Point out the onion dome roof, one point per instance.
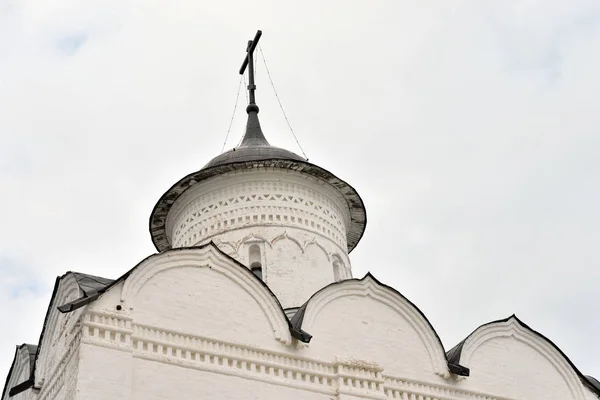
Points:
(256, 152)
(254, 146)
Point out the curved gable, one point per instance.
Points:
(59, 328)
(56, 340)
(343, 315)
(206, 288)
(21, 370)
(509, 351)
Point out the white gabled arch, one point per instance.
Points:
(210, 256)
(20, 370)
(512, 327)
(370, 287)
(67, 290)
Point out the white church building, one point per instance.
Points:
(251, 296)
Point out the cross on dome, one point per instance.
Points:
(254, 135)
(249, 62)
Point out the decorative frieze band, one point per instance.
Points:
(200, 226)
(398, 388)
(262, 202)
(350, 377)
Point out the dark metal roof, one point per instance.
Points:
(290, 312)
(454, 353)
(90, 284)
(594, 383)
(255, 152)
(253, 147)
(453, 357)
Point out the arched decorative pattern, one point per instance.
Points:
(254, 237)
(313, 242)
(227, 247)
(283, 236)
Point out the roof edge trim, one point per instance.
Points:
(21, 387)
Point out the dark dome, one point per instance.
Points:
(254, 147)
(253, 153)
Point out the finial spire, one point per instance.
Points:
(254, 135)
(249, 62)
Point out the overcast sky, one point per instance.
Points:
(470, 129)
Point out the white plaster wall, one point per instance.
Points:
(296, 263)
(128, 373)
(108, 302)
(173, 340)
(158, 381)
(296, 273)
(365, 329)
(105, 373)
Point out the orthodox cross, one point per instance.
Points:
(249, 62)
